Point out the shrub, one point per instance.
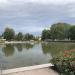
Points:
(66, 63)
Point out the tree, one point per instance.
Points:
(28, 37)
(46, 34)
(72, 33)
(9, 34)
(60, 30)
(19, 36)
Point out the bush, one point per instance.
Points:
(66, 63)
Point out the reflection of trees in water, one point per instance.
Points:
(52, 48)
(19, 47)
(70, 46)
(56, 48)
(28, 45)
(8, 50)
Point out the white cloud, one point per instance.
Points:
(58, 2)
(28, 8)
(25, 14)
(3, 1)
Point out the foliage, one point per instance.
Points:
(60, 31)
(66, 63)
(9, 34)
(28, 37)
(72, 33)
(46, 34)
(19, 36)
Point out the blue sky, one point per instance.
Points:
(32, 16)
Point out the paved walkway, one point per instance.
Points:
(43, 71)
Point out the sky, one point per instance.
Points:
(32, 16)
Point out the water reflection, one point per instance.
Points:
(8, 50)
(56, 49)
(20, 55)
(19, 47)
(28, 46)
(50, 49)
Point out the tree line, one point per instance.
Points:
(9, 34)
(59, 31)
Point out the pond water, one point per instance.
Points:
(21, 55)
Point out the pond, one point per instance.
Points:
(28, 54)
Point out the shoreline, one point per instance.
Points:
(19, 42)
(14, 42)
(33, 42)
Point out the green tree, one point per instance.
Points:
(9, 34)
(60, 31)
(46, 34)
(72, 33)
(19, 36)
(28, 37)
